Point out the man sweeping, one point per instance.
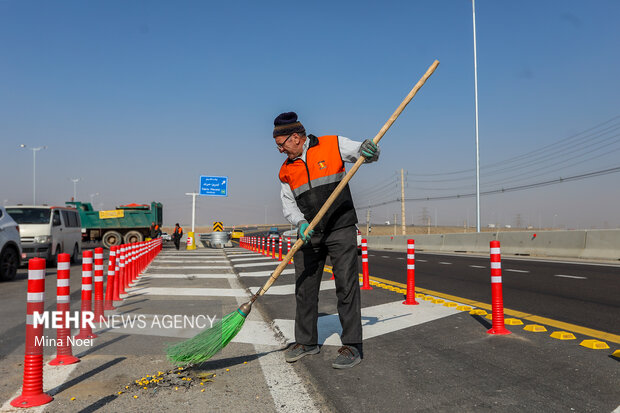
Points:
(312, 170)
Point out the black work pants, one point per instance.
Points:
(177, 242)
(341, 246)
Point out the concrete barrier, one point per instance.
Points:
(467, 242)
(591, 244)
(602, 244)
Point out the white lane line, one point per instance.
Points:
(521, 271)
(417, 260)
(477, 266)
(282, 379)
(445, 263)
(385, 256)
(571, 276)
(400, 258)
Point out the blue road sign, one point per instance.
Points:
(214, 185)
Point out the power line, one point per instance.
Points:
(503, 190)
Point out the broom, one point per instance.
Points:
(206, 344)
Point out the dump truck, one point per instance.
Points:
(125, 224)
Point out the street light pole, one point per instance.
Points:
(473, 10)
(75, 181)
(34, 170)
(193, 194)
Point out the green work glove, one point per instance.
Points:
(303, 225)
(368, 149)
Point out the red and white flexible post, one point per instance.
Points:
(64, 353)
(497, 299)
(410, 300)
(122, 275)
(288, 248)
(273, 248)
(262, 241)
(280, 249)
(86, 330)
(99, 285)
(365, 272)
(109, 288)
(32, 389)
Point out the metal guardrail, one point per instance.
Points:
(216, 240)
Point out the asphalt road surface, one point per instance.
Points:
(586, 294)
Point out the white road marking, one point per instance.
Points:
(258, 264)
(445, 263)
(182, 291)
(385, 256)
(521, 271)
(289, 289)
(265, 273)
(477, 266)
(190, 276)
(571, 276)
(190, 267)
(400, 258)
(376, 320)
(193, 261)
(258, 258)
(421, 260)
(282, 379)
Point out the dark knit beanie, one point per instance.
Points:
(287, 123)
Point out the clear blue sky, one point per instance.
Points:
(140, 98)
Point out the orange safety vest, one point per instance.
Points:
(179, 230)
(313, 181)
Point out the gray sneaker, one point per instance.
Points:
(298, 351)
(347, 357)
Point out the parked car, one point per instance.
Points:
(165, 236)
(10, 246)
(46, 231)
(273, 233)
(359, 240)
(237, 233)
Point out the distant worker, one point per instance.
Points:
(176, 235)
(157, 231)
(312, 170)
(152, 230)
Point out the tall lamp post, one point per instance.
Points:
(473, 10)
(75, 181)
(34, 170)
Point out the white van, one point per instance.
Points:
(46, 231)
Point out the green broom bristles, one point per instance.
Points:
(206, 344)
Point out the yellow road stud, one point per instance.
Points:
(464, 308)
(535, 328)
(428, 298)
(451, 305)
(513, 322)
(478, 312)
(594, 344)
(563, 335)
(438, 301)
(73, 398)
(489, 316)
(616, 354)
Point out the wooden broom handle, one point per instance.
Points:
(345, 181)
